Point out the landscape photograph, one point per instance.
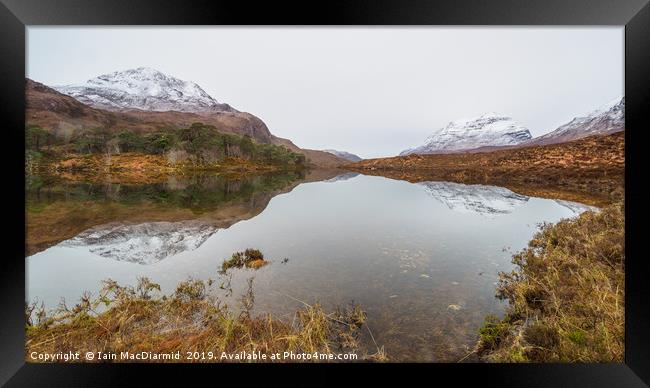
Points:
(324, 194)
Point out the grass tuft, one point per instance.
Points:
(250, 258)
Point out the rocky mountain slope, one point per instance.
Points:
(465, 134)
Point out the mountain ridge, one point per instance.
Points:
(605, 120)
(143, 88)
(489, 129)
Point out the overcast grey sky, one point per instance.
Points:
(370, 91)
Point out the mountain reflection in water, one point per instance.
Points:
(480, 199)
(144, 243)
(488, 201)
(94, 213)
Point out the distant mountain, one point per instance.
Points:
(145, 89)
(607, 119)
(67, 117)
(466, 134)
(345, 155)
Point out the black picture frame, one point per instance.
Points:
(15, 15)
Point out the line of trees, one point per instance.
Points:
(198, 143)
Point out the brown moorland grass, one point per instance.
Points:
(590, 170)
(566, 296)
(135, 320)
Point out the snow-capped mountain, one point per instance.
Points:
(344, 155)
(607, 119)
(145, 243)
(478, 199)
(145, 89)
(490, 129)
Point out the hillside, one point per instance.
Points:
(67, 118)
(590, 169)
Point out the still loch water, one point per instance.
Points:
(421, 259)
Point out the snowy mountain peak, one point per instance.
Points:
(620, 100)
(614, 109)
(143, 88)
(489, 129)
(608, 118)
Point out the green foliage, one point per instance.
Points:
(159, 142)
(271, 154)
(203, 144)
(198, 137)
(130, 141)
(246, 145)
(577, 336)
(36, 137)
(492, 333)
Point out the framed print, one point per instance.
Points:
(436, 187)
